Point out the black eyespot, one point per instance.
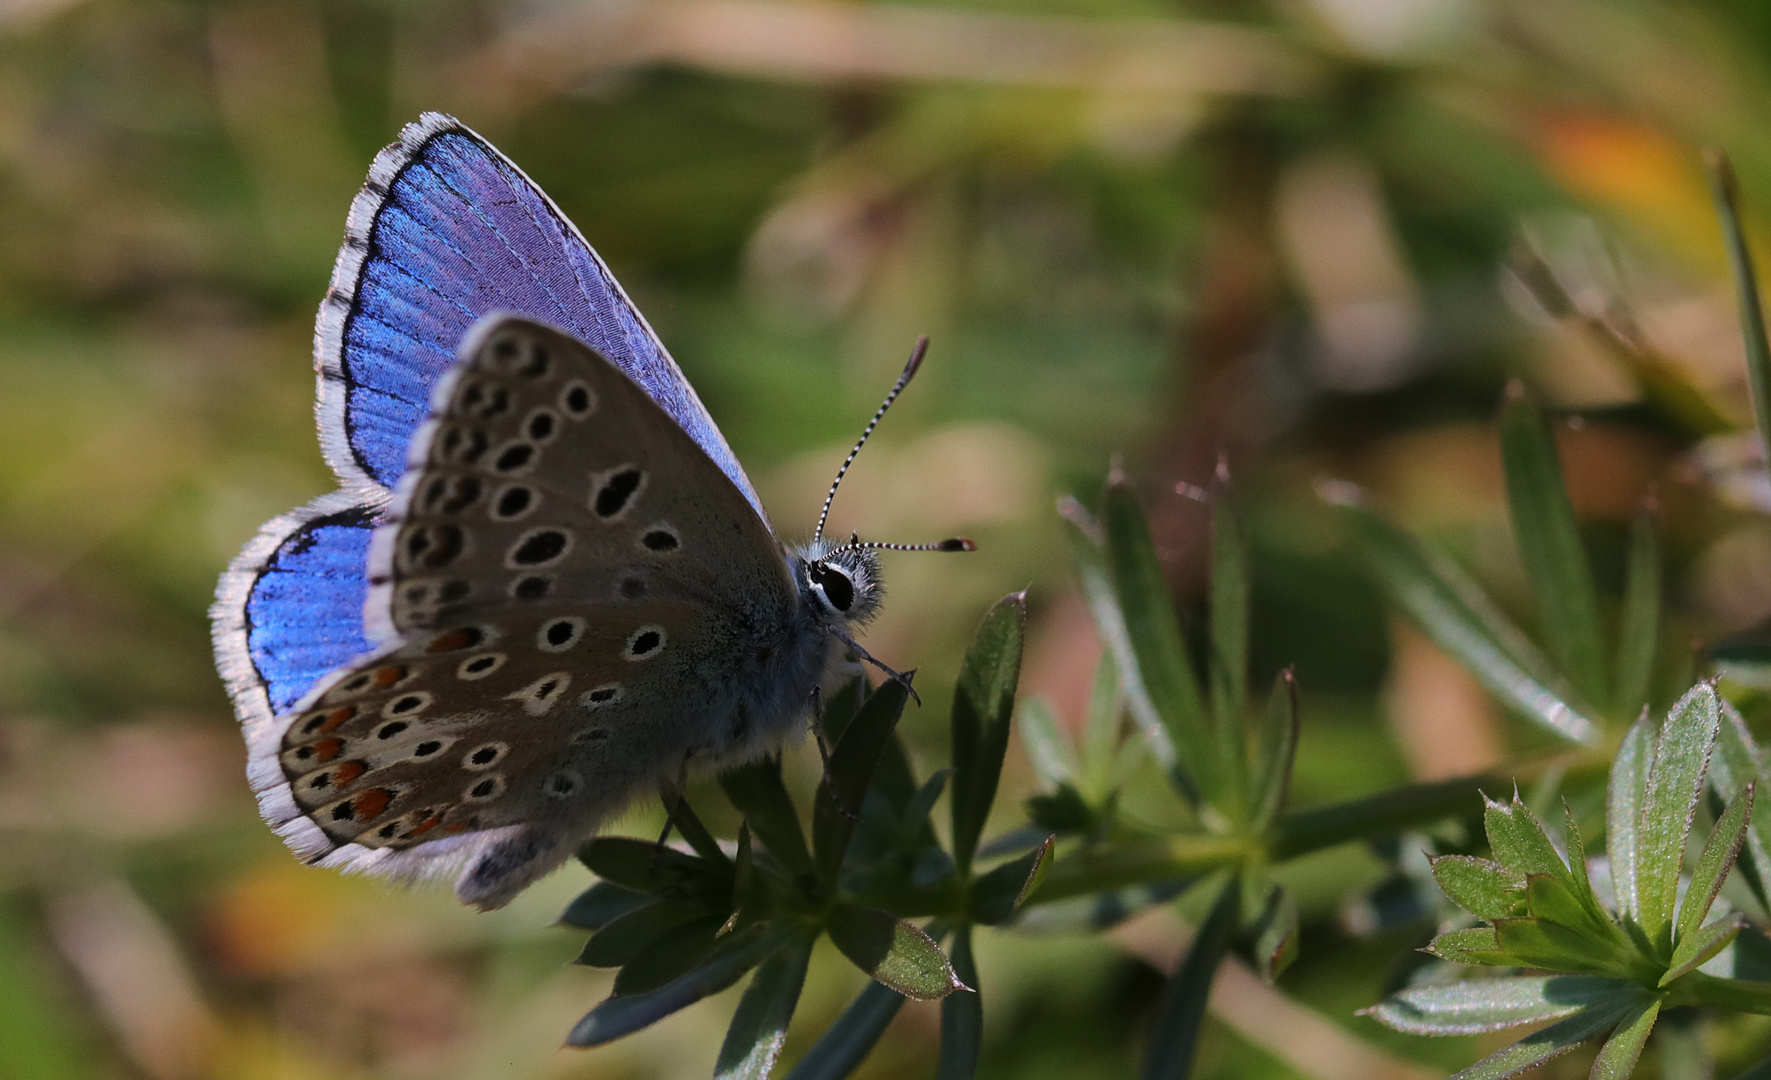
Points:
(539, 362)
(484, 788)
(514, 457)
(344, 811)
(485, 755)
(434, 545)
(452, 495)
(602, 694)
(409, 703)
(426, 749)
(531, 588)
(304, 753)
(321, 781)
(541, 426)
(577, 401)
(560, 632)
(479, 664)
(387, 831)
(539, 547)
(837, 587)
(505, 349)
(661, 540)
(645, 643)
(613, 496)
(388, 731)
(513, 501)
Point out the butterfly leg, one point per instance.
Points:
(902, 678)
(671, 791)
(823, 738)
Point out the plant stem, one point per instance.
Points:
(1735, 995)
(1144, 862)
(1385, 812)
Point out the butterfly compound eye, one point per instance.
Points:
(838, 590)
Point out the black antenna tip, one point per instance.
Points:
(958, 543)
(917, 352)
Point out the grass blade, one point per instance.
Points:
(1669, 803)
(1181, 1012)
(1229, 640)
(849, 1040)
(837, 805)
(1623, 811)
(983, 707)
(1726, 189)
(759, 1027)
(1278, 749)
(1554, 1041)
(962, 1016)
(1617, 1058)
(1640, 632)
(1549, 544)
(1476, 1006)
(1046, 744)
(1432, 591)
(1157, 647)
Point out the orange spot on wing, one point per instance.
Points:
(428, 824)
(327, 749)
(337, 717)
(345, 773)
(453, 640)
(387, 676)
(454, 827)
(370, 804)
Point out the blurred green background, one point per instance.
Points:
(1288, 232)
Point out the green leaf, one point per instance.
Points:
(631, 934)
(1046, 744)
(848, 1042)
(1485, 889)
(837, 806)
(1640, 632)
(1696, 948)
(1181, 1011)
(1675, 784)
(1719, 853)
(1552, 900)
(758, 793)
(644, 866)
(1100, 737)
(1229, 641)
(1474, 945)
(1278, 748)
(1554, 1041)
(1088, 544)
(1617, 1058)
(1543, 943)
(669, 956)
(759, 1027)
(892, 951)
(735, 954)
(1549, 544)
(840, 708)
(1276, 934)
(983, 705)
(1520, 843)
(1453, 611)
(997, 895)
(1737, 763)
(1158, 651)
(601, 904)
(684, 820)
(1474, 1006)
(1623, 811)
(962, 1016)
(1726, 190)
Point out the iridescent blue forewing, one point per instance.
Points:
(446, 230)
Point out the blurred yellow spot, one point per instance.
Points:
(1637, 170)
(278, 918)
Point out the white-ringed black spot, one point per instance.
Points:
(386, 832)
(631, 588)
(539, 547)
(514, 457)
(601, 697)
(661, 539)
(543, 694)
(562, 784)
(506, 349)
(427, 748)
(485, 401)
(357, 683)
(344, 811)
(320, 781)
(432, 545)
(407, 704)
(645, 643)
(558, 635)
(388, 731)
(541, 425)
(451, 494)
(614, 492)
(532, 587)
(515, 501)
(484, 756)
(459, 445)
(538, 364)
(478, 667)
(577, 400)
(489, 788)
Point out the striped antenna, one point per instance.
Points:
(910, 366)
(957, 543)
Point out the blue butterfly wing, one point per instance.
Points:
(446, 230)
(289, 609)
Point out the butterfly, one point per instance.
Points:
(545, 584)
